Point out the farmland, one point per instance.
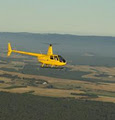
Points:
(79, 82)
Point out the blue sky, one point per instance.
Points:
(80, 17)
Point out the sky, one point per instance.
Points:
(79, 17)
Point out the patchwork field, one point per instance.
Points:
(24, 75)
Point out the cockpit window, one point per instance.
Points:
(58, 58)
(54, 57)
(51, 57)
(61, 59)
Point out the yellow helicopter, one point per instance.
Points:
(48, 59)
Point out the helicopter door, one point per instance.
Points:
(54, 57)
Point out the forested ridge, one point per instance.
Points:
(30, 107)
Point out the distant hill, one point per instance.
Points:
(94, 44)
(71, 46)
(48, 36)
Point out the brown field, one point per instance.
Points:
(110, 71)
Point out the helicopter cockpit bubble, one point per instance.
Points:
(61, 59)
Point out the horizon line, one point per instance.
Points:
(90, 35)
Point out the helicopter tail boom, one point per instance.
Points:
(21, 52)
